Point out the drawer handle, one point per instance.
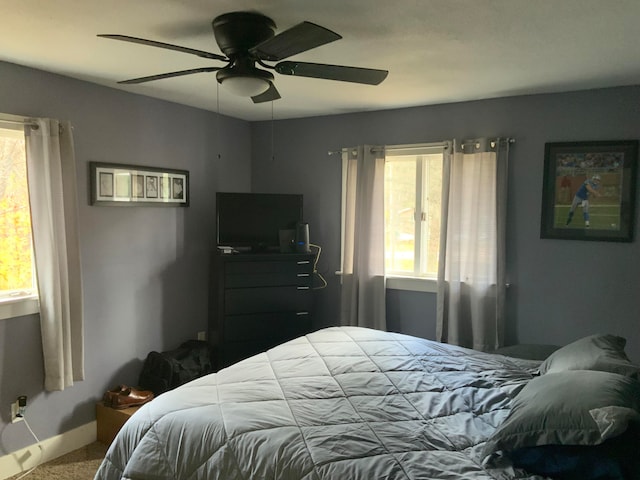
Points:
(303, 262)
(303, 274)
(302, 288)
(302, 313)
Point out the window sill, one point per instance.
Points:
(17, 307)
(413, 284)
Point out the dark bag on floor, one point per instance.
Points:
(164, 371)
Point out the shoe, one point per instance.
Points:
(130, 397)
(107, 398)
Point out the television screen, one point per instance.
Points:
(253, 220)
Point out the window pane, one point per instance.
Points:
(400, 204)
(432, 205)
(16, 272)
(413, 191)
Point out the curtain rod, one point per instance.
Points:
(336, 152)
(491, 139)
(33, 125)
(20, 122)
(373, 150)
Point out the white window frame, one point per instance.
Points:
(398, 282)
(414, 282)
(17, 303)
(17, 307)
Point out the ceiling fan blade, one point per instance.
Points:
(168, 46)
(297, 39)
(168, 75)
(268, 96)
(367, 76)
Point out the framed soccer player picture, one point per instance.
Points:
(588, 191)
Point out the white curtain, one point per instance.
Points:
(363, 281)
(51, 173)
(471, 276)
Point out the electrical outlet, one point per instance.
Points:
(15, 409)
(202, 335)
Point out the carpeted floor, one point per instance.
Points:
(80, 464)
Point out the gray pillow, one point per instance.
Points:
(596, 352)
(579, 407)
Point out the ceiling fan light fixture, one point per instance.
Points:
(243, 78)
(245, 86)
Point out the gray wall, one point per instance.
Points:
(145, 269)
(561, 290)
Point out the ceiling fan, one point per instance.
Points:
(247, 39)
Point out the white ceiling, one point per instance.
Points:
(436, 51)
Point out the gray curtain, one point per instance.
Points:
(471, 276)
(51, 171)
(363, 281)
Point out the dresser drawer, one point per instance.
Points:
(279, 326)
(259, 274)
(268, 266)
(267, 299)
(268, 279)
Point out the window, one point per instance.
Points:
(412, 211)
(412, 204)
(18, 295)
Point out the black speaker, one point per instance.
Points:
(302, 238)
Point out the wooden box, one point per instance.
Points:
(111, 420)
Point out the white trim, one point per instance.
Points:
(53, 447)
(17, 307)
(13, 122)
(412, 283)
(415, 149)
(429, 285)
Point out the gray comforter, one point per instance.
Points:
(340, 403)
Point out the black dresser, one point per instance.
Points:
(258, 301)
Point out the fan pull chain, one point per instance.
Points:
(218, 119)
(273, 156)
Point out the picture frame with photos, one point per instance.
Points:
(113, 184)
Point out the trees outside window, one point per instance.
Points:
(17, 277)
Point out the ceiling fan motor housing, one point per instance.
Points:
(237, 32)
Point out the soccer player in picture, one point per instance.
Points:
(589, 187)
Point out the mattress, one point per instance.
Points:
(339, 403)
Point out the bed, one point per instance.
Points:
(356, 403)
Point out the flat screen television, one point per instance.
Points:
(252, 221)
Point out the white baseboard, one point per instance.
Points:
(54, 447)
